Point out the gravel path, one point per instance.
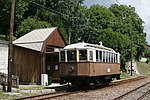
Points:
(107, 93)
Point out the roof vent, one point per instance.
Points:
(100, 43)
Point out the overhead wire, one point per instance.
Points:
(53, 11)
(118, 2)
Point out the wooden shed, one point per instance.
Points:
(37, 53)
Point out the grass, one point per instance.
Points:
(5, 96)
(143, 68)
(124, 75)
(32, 88)
(20, 94)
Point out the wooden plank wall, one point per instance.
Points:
(55, 39)
(27, 65)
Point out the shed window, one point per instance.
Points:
(82, 54)
(71, 55)
(62, 56)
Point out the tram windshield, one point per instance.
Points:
(71, 55)
(62, 56)
(82, 54)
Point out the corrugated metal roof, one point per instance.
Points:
(32, 46)
(34, 39)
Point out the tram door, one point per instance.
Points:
(52, 66)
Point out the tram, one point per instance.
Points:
(85, 64)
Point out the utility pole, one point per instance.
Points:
(131, 55)
(10, 48)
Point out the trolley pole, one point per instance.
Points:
(9, 87)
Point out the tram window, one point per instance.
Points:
(100, 56)
(82, 54)
(107, 56)
(62, 56)
(116, 58)
(97, 56)
(91, 55)
(111, 57)
(71, 55)
(104, 56)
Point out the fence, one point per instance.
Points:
(3, 80)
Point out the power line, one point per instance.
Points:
(53, 11)
(118, 2)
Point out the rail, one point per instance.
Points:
(128, 94)
(75, 90)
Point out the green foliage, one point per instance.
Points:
(20, 8)
(132, 26)
(30, 24)
(147, 53)
(5, 6)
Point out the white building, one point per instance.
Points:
(3, 56)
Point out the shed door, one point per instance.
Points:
(52, 68)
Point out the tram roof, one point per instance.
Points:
(83, 45)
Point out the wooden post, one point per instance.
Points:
(43, 59)
(10, 48)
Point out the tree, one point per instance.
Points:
(5, 8)
(30, 24)
(130, 24)
(147, 53)
(117, 27)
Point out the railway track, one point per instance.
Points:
(65, 93)
(138, 93)
(45, 96)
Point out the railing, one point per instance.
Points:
(3, 80)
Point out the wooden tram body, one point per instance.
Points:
(84, 63)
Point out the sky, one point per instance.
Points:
(141, 6)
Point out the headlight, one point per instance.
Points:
(71, 69)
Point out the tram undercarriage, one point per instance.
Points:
(85, 81)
